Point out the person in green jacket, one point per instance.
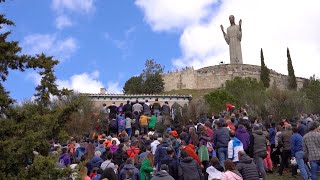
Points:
(147, 167)
(152, 122)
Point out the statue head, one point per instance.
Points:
(231, 19)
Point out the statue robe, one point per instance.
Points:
(233, 38)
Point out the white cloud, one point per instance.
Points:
(35, 77)
(174, 14)
(123, 44)
(63, 21)
(49, 44)
(113, 87)
(81, 6)
(70, 7)
(88, 83)
(268, 24)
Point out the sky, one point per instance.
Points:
(103, 43)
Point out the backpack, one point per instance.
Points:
(165, 108)
(146, 108)
(156, 106)
(122, 123)
(132, 151)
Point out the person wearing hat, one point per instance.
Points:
(174, 133)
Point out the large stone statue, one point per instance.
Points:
(233, 39)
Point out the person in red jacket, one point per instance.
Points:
(190, 149)
(230, 107)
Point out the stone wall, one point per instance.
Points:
(100, 99)
(213, 77)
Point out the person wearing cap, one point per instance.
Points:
(176, 142)
(174, 133)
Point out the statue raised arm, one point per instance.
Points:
(233, 38)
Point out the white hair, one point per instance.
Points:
(97, 153)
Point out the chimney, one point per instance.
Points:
(103, 90)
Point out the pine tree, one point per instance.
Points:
(10, 59)
(264, 75)
(292, 82)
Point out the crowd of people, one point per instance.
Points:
(226, 146)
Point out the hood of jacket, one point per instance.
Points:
(96, 159)
(162, 173)
(62, 156)
(167, 158)
(241, 130)
(164, 144)
(129, 167)
(187, 160)
(233, 175)
(191, 146)
(259, 132)
(245, 159)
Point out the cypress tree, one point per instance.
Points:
(264, 74)
(292, 82)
